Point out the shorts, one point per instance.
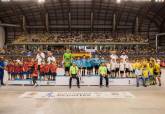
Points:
(151, 76)
(96, 67)
(54, 74)
(21, 73)
(89, 68)
(67, 69)
(38, 67)
(42, 74)
(108, 72)
(133, 71)
(122, 72)
(12, 73)
(47, 73)
(28, 72)
(9, 72)
(112, 70)
(156, 74)
(117, 70)
(127, 70)
(24, 73)
(84, 68)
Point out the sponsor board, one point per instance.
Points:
(68, 95)
(93, 80)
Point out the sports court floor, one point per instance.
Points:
(150, 100)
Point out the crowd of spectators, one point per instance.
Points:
(104, 52)
(132, 51)
(80, 37)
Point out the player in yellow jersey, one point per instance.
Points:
(151, 73)
(157, 72)
(145, 74)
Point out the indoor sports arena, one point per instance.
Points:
(82, 56)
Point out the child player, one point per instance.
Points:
(53, 69)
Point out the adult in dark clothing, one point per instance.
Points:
(2, 67)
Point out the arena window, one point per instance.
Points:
(159, 0)
(41, 1)
(5, 0)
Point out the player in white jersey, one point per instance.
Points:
(124, 56)
(113, 67)
(114, 56)
(108, 64)
(122, 68)
(117, 66)
(128, 68)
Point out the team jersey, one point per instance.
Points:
(74, 69)
(53, 68)
(122, 66)
(78, 63)
(102, 60)
(137, 65)
(145, 73)
(35, 71)
(151, 70)
(67, 63)
(124, 57)
(46, 68)
(134, 66)
(88, 63)
(113, 65)
(17, 69)
(25, 67)
(113, 56)
(9, 68)
(103, 70)
(117, 65)
(67, 56)
(84, 63)
(127, 65)
(42, 68)
(157, 68)
(138, 72)
(96, 61)
(108, 66)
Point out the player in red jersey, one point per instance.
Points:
(42, 70)
(47, 70)
(34, 73)
(25, 69)
(53, 70)
(9, 70)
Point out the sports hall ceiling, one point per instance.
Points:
(151, 15)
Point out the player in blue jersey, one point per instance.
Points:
(83, 62)
(96, 63)
(89, 66)
(78, 62)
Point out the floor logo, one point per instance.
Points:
(66, 95)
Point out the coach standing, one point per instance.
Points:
(103, 74)
(74, 74)
(2, 66)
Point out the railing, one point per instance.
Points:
(78, 43)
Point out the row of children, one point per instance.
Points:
(23, 69)
(90, 66)
(148, 71)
